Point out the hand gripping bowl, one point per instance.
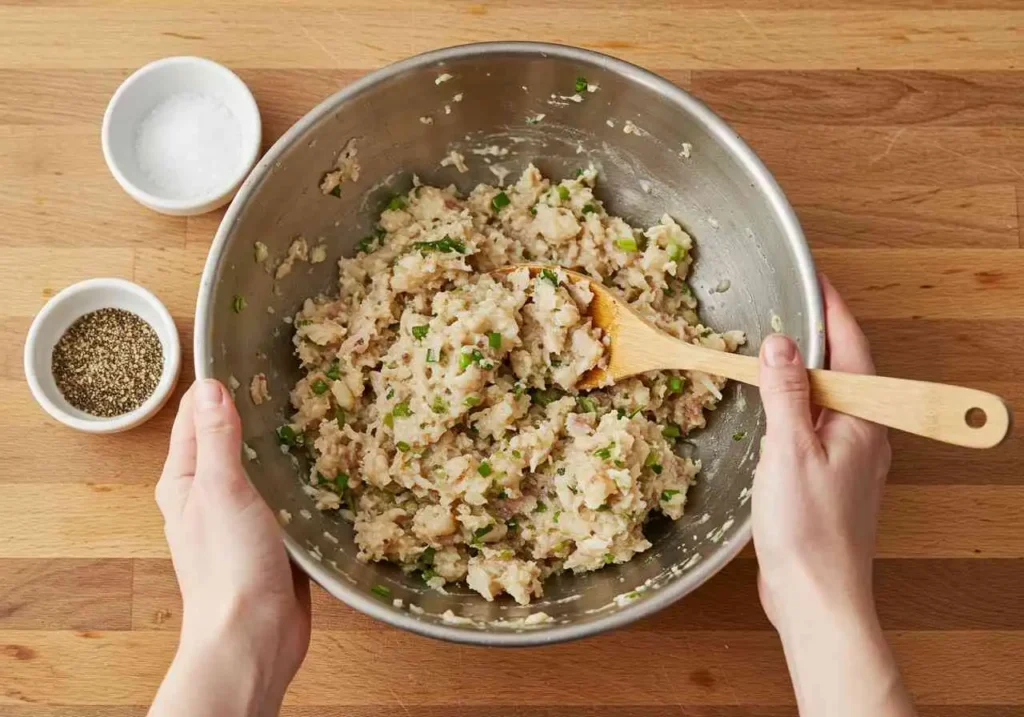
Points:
(746, 234)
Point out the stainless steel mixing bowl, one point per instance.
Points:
(748, 240)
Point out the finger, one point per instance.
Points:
(219, 444)
(785, 393)
(179, 467)
(302, 593)
(848, 347)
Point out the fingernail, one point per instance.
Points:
(779, 351)
(208, 394)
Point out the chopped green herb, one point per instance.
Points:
(563, 193)
(238, 303)
(540, 507)
(586, 404)
(431, 356)
(319, 386)
(484, 469)
(666, 495)
(389, 420)
(390, 393)
(427, 556)
(651, 459)
(468, 357)
(609, 558)
(603, 508)
(288, 436)
(481, 532)
(545, 396)
(627, 244)
(554, 518)
(656, 469)
(334, 371)
(339, 416)
(511, 523)
(517, 389)
(336, 191)
(342, 480)
(676, 252)
(494, 340)
(636, 412)
(739, 435)
(502, 494)
(620, 464)
(402, 410)
(439, 405)
(500, 201)
(561, 471)
(472, 401)
(533, 210)
(381, 591)
(428, 575)
(604, 453)
(402, 446)
(621, 412)
(516, 453)
(447, 245)
(632, 595)
(579, 172)
(675, 384)
(366, 244)
(588, 209)
(418, 332)
(581, 84)
(397, 202)
(549, 275)
(671, 430)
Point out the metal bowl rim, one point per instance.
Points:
(717, 128)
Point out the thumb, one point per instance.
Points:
(786, 392)
(219, 444)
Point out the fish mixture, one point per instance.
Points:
(438, 405)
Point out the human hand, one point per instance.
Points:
(817, 493)
(246, 616)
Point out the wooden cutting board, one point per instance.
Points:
(897, 130)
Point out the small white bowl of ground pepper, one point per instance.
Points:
(102, 356)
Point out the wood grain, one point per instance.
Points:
(896, 127)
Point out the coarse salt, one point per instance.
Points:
(189, 145)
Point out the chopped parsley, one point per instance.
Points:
(472, 401)
(549, 275)
(739, 435)
(484, 469)
(397, 202)
(494, 340)
(563, 193)
(586, 404)
(401, 410)
(540, 507)
(342, 480)
(447, 245)
(581, 84)
(500, 201)
(366, 244)
(481, 532)
(604, 453)
(516, 454)
(418, 332)
(381, 591)
(666, 495)
(609, 558)
(402, 446)
(390, 393)
(238, 303)
(469, 357)
(319, 387)
(671, 430)
(554, 518)
(439, 405)
(288, 436)
(675, 384)
(588, 209)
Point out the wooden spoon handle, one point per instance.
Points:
(951, 414)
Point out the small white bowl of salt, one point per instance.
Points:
(181, 134)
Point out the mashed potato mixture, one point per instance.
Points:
(438, 403)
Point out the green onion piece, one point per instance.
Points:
(334, 372)
(627, 244)
(503, 494)
(517, 389)
(365, 244)
(586, 404)
(494, 340)
(402, 410)
(429, 575)
(603, 508)
(402, 446)
(431, 356)
(238, 303)
(418, 332)
(342, 480)
(484, 469)
(472, 401)
(540, 507)
(511, 523)
(319, 386)
(465, 360)
(533, 210)
(339, 416)
(397, 202)
(390, 393)
(675, 384)
(381, 591)
(336, 191)
(656, 469)
(604, 453)
(561, 471)
(439, 405)
(481, 532)
(549, 275)
(579, 172)
(447, 245)
(500, 201)
(671, 430)
(739, 435)
(609, 558)
(666, 495)
(676, 252)
(287, 436)
(554, 518)
(651, 459)
(620, 464)
(588, 209)
(581, 84)
(563, 193)
(544, 397)
(516, 453)
(389, 420)
(427, 556)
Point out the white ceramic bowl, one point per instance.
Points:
(147, 88)
(67, 307)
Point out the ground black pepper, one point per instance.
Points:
(108, 362)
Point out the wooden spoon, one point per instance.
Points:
(952, 414)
